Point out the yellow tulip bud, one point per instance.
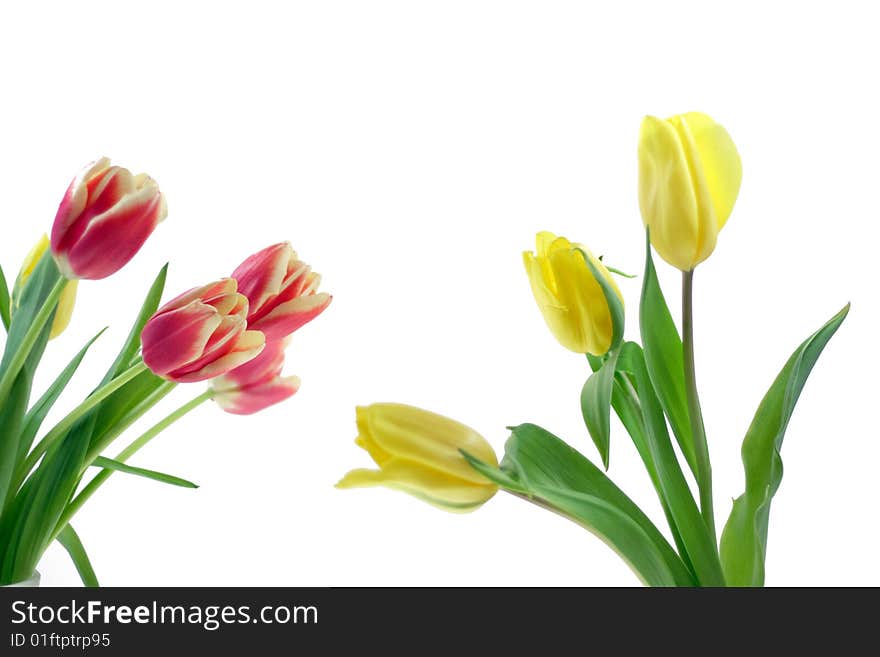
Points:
(569, 296)
(689, 177)
(68, 296)
(418, 452)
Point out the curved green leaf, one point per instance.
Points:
(542, 468)
(133, 341)
(70, 540)
(596, 404)
(35, 416)
(664, 359)
(744, 539)
(118, 466)
(615, 305)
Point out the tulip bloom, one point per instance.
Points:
(689, 177)
(418, 452)
(569, 296)
(66, 302)
(281, 289)
(104, 219)
(257, 384)
(200, 334)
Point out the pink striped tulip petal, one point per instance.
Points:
(104, 219)
(282, 291)
(257, 384)
(249, 400)
(200, 334)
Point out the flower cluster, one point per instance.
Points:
(231, 333)
(689, 175)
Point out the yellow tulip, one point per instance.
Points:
(689, 177)
(418, 452)
(68, 296)
(569, 296)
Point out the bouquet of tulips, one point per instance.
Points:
(231, 333)
(689, 178)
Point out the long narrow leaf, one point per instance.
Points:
(626, 404)
(35, 416)
(701, 550)
(744, 539)
(4, 300)
(34, 515)
(110, 464)
(16, 391)
(665, 359)
(70, 540)
(133, 341)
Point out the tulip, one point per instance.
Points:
(418, 452)
(66, 301)
(689, 177)
(569, 296)
(257, 384)
(200, 334)
(281, 289)
(104, 219)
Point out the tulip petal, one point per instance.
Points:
(265, 367)
(448, 493)
(248, 346)
(261, 275)
(209, 291)
(75, 199)
(255, 398)
(720, 161)
(569, 297)
(423, 437)
(292, 315)
(667, 197)
(112, 239)
(173, 339)
(64, 311)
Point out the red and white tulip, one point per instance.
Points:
(281, 289)
(201, 334)
(104, 219)
(257, 384)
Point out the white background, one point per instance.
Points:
(410, 151)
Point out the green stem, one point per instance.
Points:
(698, 430)
(30, 338)
(130, 418)
(62, 427)
(90, 488)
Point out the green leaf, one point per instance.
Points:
(615, 305)
(664, 359)
(596, 404)
(619, 273)
(35, 416)
(110, 464)
(124, 407)
(70, 540)
(625, 402)
(33, 516)
(543, 469)
(695, 536)
(133, 341)
(26, 339)
(4, 300)
(744, 539)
